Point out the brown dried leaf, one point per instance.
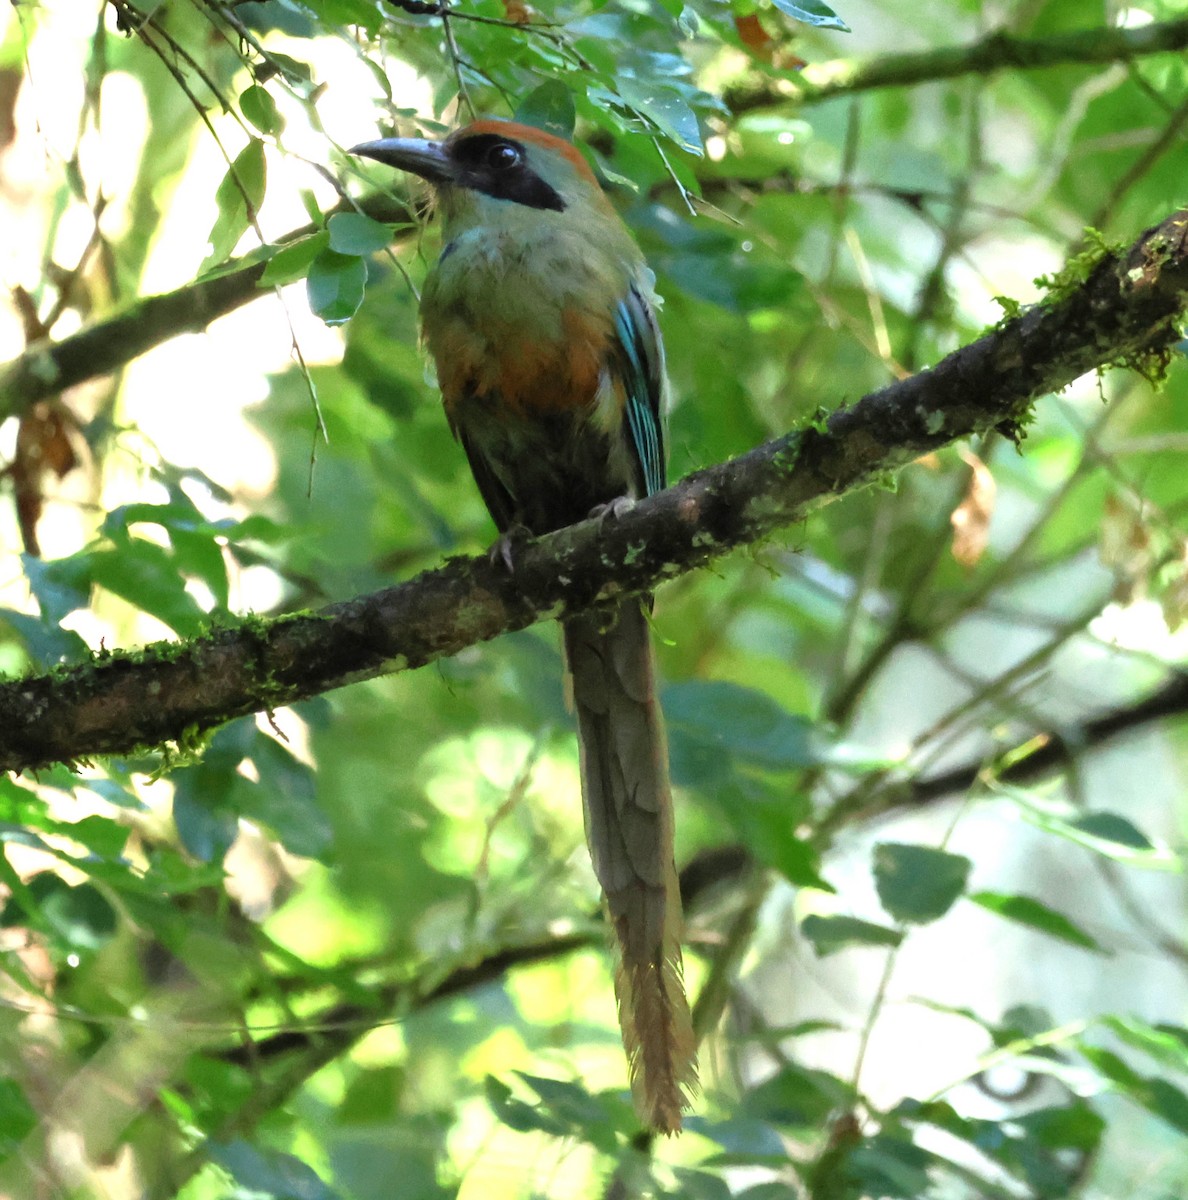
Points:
(756, 39)
(1124, 544)
(518, 11)
(42, 444)
(1174, 600)
(971, 518)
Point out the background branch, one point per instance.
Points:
(994, 52)
(98, 349)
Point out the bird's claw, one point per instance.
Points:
(612, 510)
(503, 549)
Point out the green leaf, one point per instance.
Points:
(61, 586)
(1113, 1068)
(335, 286)
(17, 1116)
(285, 799)
(355, 233)
(743, 1139)
(1109, 827)
(812, 12)
(363, 13)
(715, 727)
(666, 109)
(918, 884)
(1165, 1043)
(372, 1097)
(1105, 833)
(100, 835)
(515, 1114)
(238, 197)
(78, 917)
(1166, 1100)
(890, 1167)
(277, 1175)
(549, 107)
(798, 1097)
(292, 262)
(1155, 1094)
(1036, 915)
(45, 642)
(696, 1184)
(206, 828)
(195, 540)
(765, 814)
(298, 75)
(830, 934)
(569, 1101)
(771, 1190)
(258, 107)
(145, 575)
(206, 795)
(1073, 1126)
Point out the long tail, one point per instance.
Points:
(629, 827)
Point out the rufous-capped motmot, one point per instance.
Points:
(539, 316)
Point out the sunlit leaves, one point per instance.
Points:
(60, 587)
(258, 106)
(665, 108)
(366, 14)
(238, 197)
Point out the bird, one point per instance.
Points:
(539, 314)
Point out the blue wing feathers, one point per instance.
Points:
(643, 375)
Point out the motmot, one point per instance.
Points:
(539, 315)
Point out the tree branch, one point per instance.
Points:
(104, 346)
(1125, 309)
(994, 52)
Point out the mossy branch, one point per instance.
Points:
(1118, 308)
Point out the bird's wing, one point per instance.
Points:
(641, 361)
(495, 495)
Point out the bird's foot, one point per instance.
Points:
(503, 551)
(612, 510)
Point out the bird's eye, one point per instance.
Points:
(503, 156)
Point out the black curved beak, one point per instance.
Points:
(418, 155)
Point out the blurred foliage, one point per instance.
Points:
(349, 950)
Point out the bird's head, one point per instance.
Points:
(484, 167)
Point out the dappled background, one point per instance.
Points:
(928, 747)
